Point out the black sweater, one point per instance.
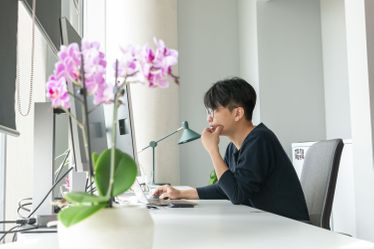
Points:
(260, 175)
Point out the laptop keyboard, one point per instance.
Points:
(154, 200)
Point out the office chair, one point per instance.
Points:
(318, 179)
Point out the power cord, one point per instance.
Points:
(29, 220)
(14, 230)
(50, 190)
(21, 222)
(22, 206)
(63, 163)
(7, 232)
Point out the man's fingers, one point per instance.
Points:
(156, 192)
(164, 196)
(207, 130)
(218, 129)
(159, 190)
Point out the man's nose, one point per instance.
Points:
(209, 118)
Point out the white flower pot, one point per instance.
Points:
(120, 227)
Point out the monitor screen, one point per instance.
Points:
(126, 135)
(97, 130)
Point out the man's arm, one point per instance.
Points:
(251, 171)
(210, 140)
(219, 164)
(212, 191)
(170, 192)
(208, 192)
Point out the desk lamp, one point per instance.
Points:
(188, 135)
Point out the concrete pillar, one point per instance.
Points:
(155, 111)
(360, 38)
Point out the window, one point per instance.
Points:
(2, 177)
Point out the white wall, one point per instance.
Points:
(248, 48)
(19, 158)
(335, 69)
(360, 40)
(19, 154)
(290, 70)
(208, 47)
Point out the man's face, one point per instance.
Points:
(221, 116)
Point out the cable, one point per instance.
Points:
(9, 231)
(50, 190)
(62, 154)
(29, 221)
(7, 221)
(23, 208)
(22, 230)
(12, 230)
(89, 186)
(63, 163)
(24, 199)
(19, 108)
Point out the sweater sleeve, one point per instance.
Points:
(251, 171)
(211, 192)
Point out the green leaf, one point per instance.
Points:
(83, 197)
(95, 156)
(213, 177)
(124, 175)
(72, 215)
(124, 172)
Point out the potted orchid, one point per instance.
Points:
(85, 67)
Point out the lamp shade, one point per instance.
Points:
(188, 135)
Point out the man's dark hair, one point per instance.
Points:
(231, 93)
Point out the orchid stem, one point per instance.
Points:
(75, 97)
(113, 140)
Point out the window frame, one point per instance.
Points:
(2, 177)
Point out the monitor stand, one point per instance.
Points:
(43, 157)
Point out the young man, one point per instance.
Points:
(255, 170)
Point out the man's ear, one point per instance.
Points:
(239, 113)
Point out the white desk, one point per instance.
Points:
(219, 224)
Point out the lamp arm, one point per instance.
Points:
(179, 129)
(154, 143)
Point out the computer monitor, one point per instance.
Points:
(97, 139)
(99, 130)
(126, 133)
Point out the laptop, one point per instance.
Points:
(154, 201)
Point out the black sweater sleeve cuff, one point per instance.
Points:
(211, 192)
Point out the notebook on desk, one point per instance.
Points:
(151, 200)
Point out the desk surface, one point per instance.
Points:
(219, 224)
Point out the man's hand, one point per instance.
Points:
(210, 138)
(210, 141)
(167, 192)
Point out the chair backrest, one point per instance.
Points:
(318, 179)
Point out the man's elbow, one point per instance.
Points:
(237, 200)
